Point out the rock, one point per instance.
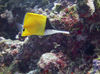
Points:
(57, 7)
(2, 38)
(88, 8)
(50, 61)
(8, 50)
(46, 59)
(34, 72)
(97, 4)
(90, 3)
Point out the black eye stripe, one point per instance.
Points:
(23, 29)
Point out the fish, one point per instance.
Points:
(38, 24)
(19, 27)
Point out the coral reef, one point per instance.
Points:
(8, 51)
(55, 54)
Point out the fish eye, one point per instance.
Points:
(23, 29)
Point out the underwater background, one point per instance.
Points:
(76, 53)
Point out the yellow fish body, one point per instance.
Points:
(34, 24)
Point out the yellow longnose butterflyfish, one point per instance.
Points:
(36, 24)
